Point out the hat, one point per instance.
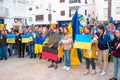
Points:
(53, 25)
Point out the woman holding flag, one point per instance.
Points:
(90, 55)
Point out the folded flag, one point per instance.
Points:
(26, 38)
(83, 41)
(50, 53)
(11, 38)
(39, 41)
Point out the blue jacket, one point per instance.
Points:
(103, 41)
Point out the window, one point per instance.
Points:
(30, 9)
(30, 19)
(85, 1)
(37, 7)
(85, 12)
(49, 17)
(39, 17)
(62, 13)
(118, 10)
(74, 1)
(105, 12)
(62, 1)
(69, 12)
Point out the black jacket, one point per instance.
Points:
(3, 40)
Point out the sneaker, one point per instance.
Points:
(98, 71)
(113, 78)
(64, 67)
(67, 69)
(103, 73)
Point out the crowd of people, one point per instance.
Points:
(102, 43)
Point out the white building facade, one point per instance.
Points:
(15, 13)
(61, 10)
(102, 10)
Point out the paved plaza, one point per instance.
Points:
(37, 69)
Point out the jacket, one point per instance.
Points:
(3, 40)
(53, 38)
(103, 41)
(67, 42)
(116, 52)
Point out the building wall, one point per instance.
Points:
(115, 10)
(58, 7)
(17, 9)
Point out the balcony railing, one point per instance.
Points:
(4, 12)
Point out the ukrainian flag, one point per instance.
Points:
(39, 42)
(73, 28)
(81, 17)
(26, 38)
(11, 38)
(83, 41)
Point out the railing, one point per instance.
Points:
(4, 12)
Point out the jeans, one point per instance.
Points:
(3, 52)
(116, 66)
(11, 49)
(67, 58)
(31, 49)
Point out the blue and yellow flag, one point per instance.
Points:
(11, 38)
(73, 28)
(26, 38)
(39, 42)
(83, 41)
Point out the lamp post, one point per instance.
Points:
(49, 9)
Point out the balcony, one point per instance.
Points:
(4, 12)
(74, 1)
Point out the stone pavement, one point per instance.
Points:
(36, 69)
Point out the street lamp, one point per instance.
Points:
(49, 9)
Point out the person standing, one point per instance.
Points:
(90, 55)
(103, 51)
(66, 45)
(53, 35)
(116, 54)
(20, 45)
(3, 46)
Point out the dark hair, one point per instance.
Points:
(101, 27)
